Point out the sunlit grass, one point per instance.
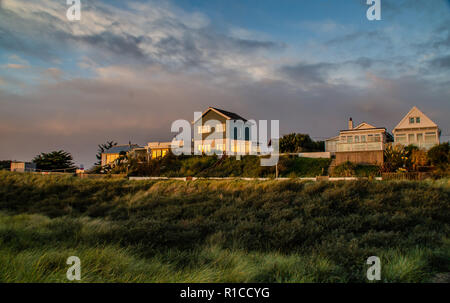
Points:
(221, 231)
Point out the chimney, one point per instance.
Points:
(350, 124)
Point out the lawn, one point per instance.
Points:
(221, 231)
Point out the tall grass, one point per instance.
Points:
(221, 231)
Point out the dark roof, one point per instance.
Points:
(121, 148)
(231, 115)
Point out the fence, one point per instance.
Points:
(82, 175)
(407, 176)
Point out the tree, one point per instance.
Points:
(102, 148)
(439, 155)
(294, 143)
(55, 161)
(5, 165)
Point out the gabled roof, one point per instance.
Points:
(415, 112)
(121, 148)
(226, 114)
(363, 126)
(230, 115)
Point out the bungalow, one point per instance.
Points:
(19, 166)
(158, 149)
(364, 144)
(417, 129)
(112, 154)
(222, 132)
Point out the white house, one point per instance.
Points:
(417, 129)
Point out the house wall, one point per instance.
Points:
(366, 157)
(23, 166)
(18, 166)
(421, 137)
(159, 152)
(109, 158)
(316, 155)
(214, 133)
(331, 145)
(215, 138)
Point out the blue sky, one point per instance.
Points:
(130, 68)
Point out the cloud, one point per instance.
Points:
(441, 62)
(126, 73)
(374, 35)
(15, 66)
(309, 73)
(152, 33)
(54, 73)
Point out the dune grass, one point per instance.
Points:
(221, 231)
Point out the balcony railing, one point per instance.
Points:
(365, 146)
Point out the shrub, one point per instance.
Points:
(439, 155)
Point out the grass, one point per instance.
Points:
(210, 166)
(221, 231)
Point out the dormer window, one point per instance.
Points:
(411, 120)
(417, 119)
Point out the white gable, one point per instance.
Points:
(415, 113)
(364, 125)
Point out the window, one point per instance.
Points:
(219, 128)
(349, 139)
(343, 138)
(204, 148)
(417, 119)
(411, 138)
(420, 138)
(363, 139)
(356, 139)
(370, 138)
(411, 120)
(247, 134)
(377, 138)
(220, 147)
(204, 129)
(400, 138)
(235, 133)
(430, 137)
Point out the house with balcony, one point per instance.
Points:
(363, 144)
(222, 132)
(417, 129)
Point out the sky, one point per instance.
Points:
(128, 69)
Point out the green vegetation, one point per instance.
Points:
(411, 158)
(5, 165)
(296, 143)
(55, 161)
(212, 166)
(349, 169)
(440, 155)
(221, 231)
